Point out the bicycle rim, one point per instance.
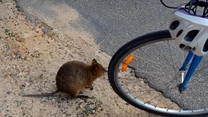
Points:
(150, 82)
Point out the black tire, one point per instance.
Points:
(127, 49)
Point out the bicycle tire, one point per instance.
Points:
(116, 84)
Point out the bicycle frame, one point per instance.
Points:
(194, 56)
(195, 60)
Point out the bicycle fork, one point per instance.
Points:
(194, 61)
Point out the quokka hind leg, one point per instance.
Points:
(78, 95)
(85, 96)
(90, 87)
(82, 96)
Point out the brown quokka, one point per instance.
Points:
(74, 76)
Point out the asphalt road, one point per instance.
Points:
(115, 22)
(111, 22)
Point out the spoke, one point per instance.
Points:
(142, 91)
(158, 101)
(202, 68)
(164, 83)
(153, 61)
(164, 56)
(204, 103)
(184, 57)
(170, 106)
(127, 78)
(148, 60)
(126, 83)
(154, 98)
(153, 75)
(146, 72)
(173, 64)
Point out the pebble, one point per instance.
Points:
(93, 111)
(26, 35)
(53, 100)
(44, 99)
(20, 39)
(45, 30)
(22, 87)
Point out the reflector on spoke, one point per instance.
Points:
(126, 62)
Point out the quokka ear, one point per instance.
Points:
(94, 62)
(95, 65)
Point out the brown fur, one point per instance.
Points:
(74, 76)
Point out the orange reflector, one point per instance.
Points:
(126, 62)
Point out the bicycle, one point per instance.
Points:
(152, 72)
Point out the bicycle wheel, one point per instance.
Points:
(151, 80)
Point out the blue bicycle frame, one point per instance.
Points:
(194, 61)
